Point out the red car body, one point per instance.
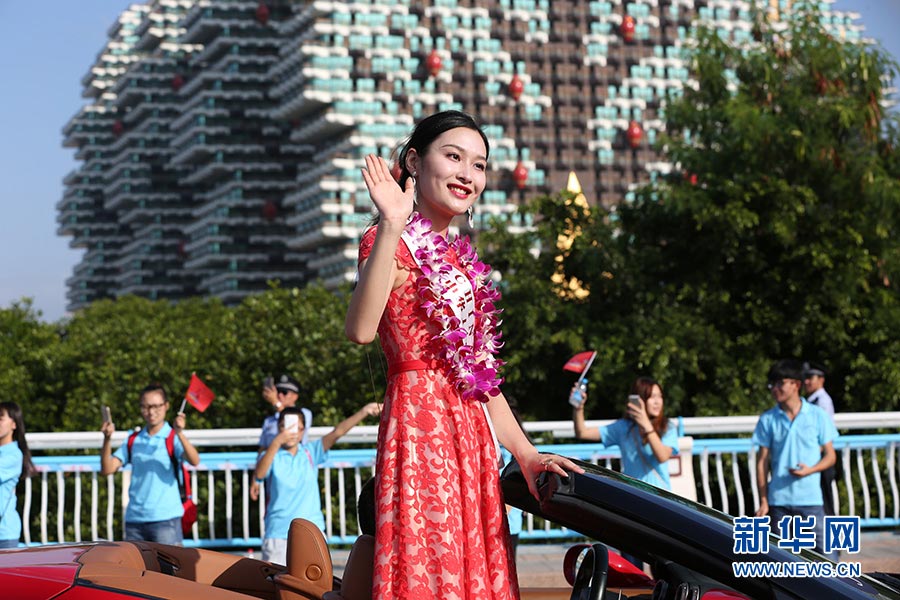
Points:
(108, 570)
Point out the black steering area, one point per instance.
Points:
(590, 581)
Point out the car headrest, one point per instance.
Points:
(356, 584)
(308, 558)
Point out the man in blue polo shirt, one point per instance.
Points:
(291, 472)
(795, 440)
(154, 502)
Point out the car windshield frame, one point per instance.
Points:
(594, 504)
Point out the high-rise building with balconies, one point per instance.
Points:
(222, 139)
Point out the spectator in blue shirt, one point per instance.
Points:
(291, 472)
(15, 462)
(795, 440)
(281, 394)
(154, 502)
(644, 437)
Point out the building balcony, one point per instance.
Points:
(330, 259)
(304, 103)
(218, 255)
(153, 290)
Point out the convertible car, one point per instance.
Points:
(688, 546)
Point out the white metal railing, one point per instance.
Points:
(861, 458)
(55, 499)
(694, 426)
(221, 484)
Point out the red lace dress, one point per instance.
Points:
(441, 527)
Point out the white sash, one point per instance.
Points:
(459, 291)
(462, 303)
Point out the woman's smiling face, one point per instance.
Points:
(7, 427)
(654, 402)
(451, 175)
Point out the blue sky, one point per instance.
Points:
(45, 49)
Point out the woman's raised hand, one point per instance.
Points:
(392, 203)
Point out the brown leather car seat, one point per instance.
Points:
(309, 571)
(357, 581)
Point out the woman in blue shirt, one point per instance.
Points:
(15, 462)
(643, 435)
(154, 501)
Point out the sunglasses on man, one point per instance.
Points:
(778, 383)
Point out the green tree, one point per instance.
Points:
(301, 332)
(113, 348)
(29, 360)
(787, 243)
(544, 323)
(62, 373)
(777, 236)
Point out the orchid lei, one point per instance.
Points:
(471, 357)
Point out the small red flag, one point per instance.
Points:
(198, 394)
(578, 362)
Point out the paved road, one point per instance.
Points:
(541, 565)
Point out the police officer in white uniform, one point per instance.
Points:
(814, 384)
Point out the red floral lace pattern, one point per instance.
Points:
(441, 528)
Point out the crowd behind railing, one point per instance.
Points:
(70, 501)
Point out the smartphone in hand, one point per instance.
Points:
(292, 422)
(576, 396)
(104, 410)
(268, 382)
(635, 400)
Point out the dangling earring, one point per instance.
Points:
(415, 190)
(470, 215)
